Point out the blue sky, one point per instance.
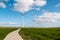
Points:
(10, 13)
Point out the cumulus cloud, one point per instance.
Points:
(26, 5)
(2, 23)
(2, 5)
(58, 5)
(12, 23)
(40, 2)
(48, 17)
(37, 8)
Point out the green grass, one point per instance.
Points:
(40, 33)
(5, 30)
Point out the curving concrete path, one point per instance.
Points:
(13, 36)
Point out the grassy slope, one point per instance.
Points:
(4, 31)
(40, 33)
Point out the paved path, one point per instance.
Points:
(13, 36)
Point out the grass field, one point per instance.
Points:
(40, 33)
(5, 30)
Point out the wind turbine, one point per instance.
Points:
(22, 20)
(26, 5)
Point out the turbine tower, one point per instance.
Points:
(22, 20)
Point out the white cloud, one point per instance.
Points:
(2, 23)
(12, 23)
(2, 5)
(23, 5)
(48, 17)
(58, 5)
(26, 5)
(37, 9)
(40, 2)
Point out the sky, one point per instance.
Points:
(37, 13)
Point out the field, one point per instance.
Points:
(5, 30)
(40, 33)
